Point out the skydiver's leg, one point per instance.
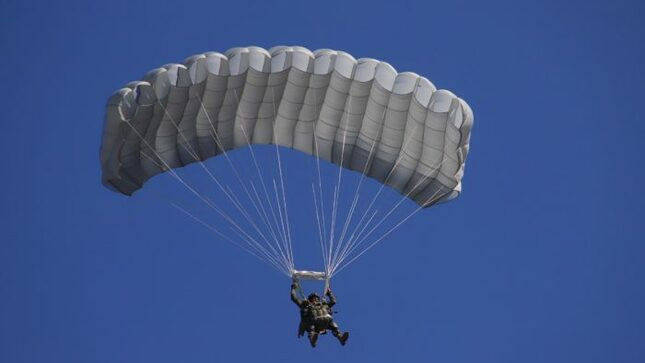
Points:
(313, 335)
(342, 337)
(334, 328)
(302, 328)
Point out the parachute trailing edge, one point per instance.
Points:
(394, 127)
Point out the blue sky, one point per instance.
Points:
(539, 260)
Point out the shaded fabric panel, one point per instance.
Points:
(130, 154)
(304, 130)
(350, 123)
(331, 112)
(466, 127)
(116, 113)
(206, 123)
(445, 181)
(247, 110)
(166, 141)
(460, 117)
(432, 194)
(276, 83)
(187, 138)
(371, 128)
(431, 155)
(150, 163)
(452, 139)
(411, 148)
(291, 103)
(464, 146)
(226, 116)
(391, 142)
(111, 137)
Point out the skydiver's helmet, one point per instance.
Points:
(313, 297)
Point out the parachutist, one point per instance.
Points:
(167, 120)
(316, 315)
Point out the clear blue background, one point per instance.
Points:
(540, 259)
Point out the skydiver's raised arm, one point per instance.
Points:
(294, 294)
(331, 298)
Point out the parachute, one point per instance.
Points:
(362, 115)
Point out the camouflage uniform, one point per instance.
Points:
(316, 316)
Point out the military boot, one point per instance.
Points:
(313, 338)
(342, 337)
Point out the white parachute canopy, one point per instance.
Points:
(396, 128)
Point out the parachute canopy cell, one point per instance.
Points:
(394, 127)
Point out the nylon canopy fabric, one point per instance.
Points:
(394, 127)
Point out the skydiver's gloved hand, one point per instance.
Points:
(294, 283)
